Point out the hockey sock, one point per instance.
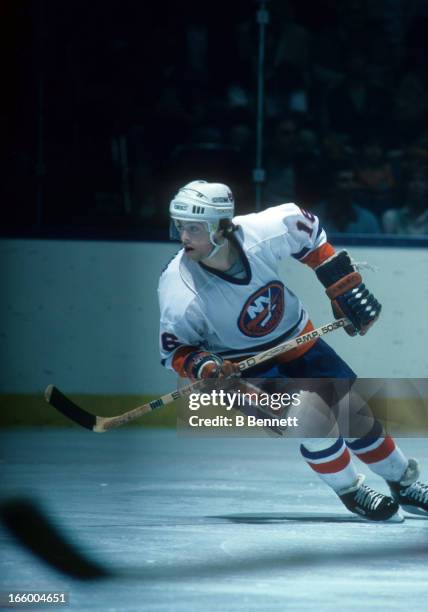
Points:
(380, 453)
(331, 460)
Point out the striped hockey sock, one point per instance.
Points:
(331, 460)
(380, 453)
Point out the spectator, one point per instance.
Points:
(375, 176)
(410, 113)
(411, 219)
(337, 150)
(356, 106)
(283, 162)
(292, 46)
(415, 155)
(340, 213)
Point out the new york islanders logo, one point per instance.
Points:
(263, 310)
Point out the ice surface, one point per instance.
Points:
(207, 524)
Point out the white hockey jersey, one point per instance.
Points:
(234, 317)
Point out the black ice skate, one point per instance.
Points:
(369, 504)
(411, 494)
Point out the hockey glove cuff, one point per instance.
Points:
(202, 364)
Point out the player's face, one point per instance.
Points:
(195, 239)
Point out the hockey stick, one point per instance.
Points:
(100, 424)
(31, 526)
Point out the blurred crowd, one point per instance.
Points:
(153, 98)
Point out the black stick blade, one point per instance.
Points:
(35, 532)
(68, 408)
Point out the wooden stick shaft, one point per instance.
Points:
(104, 423)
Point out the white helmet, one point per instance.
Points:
(204, 202)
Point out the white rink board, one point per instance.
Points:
(396, 345)
(84, 315)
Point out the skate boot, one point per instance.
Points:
(411, 494)
(369, 504)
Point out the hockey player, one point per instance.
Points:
(221, 299)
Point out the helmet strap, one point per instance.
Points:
(216, 247)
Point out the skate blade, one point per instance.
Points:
(396, 518)
(415, 510)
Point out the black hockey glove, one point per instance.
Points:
(361, 308)
(349, 296)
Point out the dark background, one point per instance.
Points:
(109, 107)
